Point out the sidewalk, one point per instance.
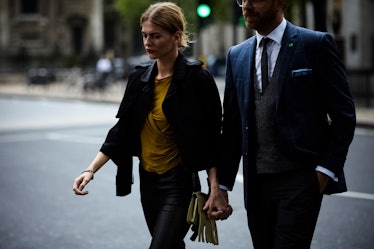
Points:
(61, 91)
(15, 86)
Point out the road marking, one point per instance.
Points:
(51, 136)
(21, 137)
(98, 140)
(350, 194)
(74, 138)
(358, 195)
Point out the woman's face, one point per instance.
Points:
(158, 42)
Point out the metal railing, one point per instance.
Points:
(362, 86)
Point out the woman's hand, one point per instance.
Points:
(217, 206)
(81, 181)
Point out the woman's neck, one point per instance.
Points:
(165, 66)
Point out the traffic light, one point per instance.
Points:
(203, 11)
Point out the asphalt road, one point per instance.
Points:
(45, 144)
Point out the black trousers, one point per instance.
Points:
(283, 210)
(165, 199)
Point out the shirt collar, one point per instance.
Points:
(276, 35)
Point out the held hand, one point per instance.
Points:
(323, 180)
(217, 206)
(80, 182)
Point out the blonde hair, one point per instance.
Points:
(170, 17)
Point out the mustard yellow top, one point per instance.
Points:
(159, 149)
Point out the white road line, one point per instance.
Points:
(74, 138)
(99, 140)
(350, 194)
(357, 195)
(51, 136)
(21, 137)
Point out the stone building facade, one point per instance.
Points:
(51, 27)
(357, 31)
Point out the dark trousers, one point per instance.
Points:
(283, 211)
(165, 199)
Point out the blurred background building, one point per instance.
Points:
(47, 29)
(42, 31)
(75, 33)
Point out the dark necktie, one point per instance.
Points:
(264, 65)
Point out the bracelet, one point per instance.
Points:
(90, 171)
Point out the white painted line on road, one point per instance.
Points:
(357, 195)
(51, 124)
(74, 138)
(51, 136)
(20, 137)
(350, 194)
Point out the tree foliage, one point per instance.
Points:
(131, 10)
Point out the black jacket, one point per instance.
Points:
(192, 106)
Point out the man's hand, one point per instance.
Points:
(217, 205)
(323, 180)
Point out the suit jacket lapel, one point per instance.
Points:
(247, 60)
(288, 47)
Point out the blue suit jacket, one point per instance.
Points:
(315, 113)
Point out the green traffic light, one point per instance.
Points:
(203, 10)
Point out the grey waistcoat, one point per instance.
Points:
(269, 157)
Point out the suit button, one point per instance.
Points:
(246, 155)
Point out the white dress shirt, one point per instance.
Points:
(273, 48)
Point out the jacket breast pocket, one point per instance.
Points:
(303, 82)
(301, 72)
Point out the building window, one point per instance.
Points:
(31, 39)
(29, 7)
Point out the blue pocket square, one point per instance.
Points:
(301, 72)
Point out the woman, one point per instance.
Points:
(170, 117)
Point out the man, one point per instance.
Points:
(292, 123)
(103, 68)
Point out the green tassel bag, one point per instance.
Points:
(203, 227)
